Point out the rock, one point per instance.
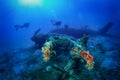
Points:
(114, 54)
(18, 68)
(109, 63)
(107, 46)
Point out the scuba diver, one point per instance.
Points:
(56, 23)
(25, 25)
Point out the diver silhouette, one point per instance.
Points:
(25, 25)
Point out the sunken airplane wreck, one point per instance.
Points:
(25, 25)
(40, 38)
(77, 33)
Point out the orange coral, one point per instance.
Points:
(46, 53)
(88, 58)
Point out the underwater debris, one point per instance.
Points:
(69, 65)
(65, 73)
(77, 33)
(78, 56)
(25, 25)
(83, 41)
(40, 38)
(77, 50)
(35, 34)
(106, 28)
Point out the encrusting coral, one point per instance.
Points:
(88, 58)
(76, 50)
(46, 51)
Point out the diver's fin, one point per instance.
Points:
(106, 28)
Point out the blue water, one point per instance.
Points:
(76, 13)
